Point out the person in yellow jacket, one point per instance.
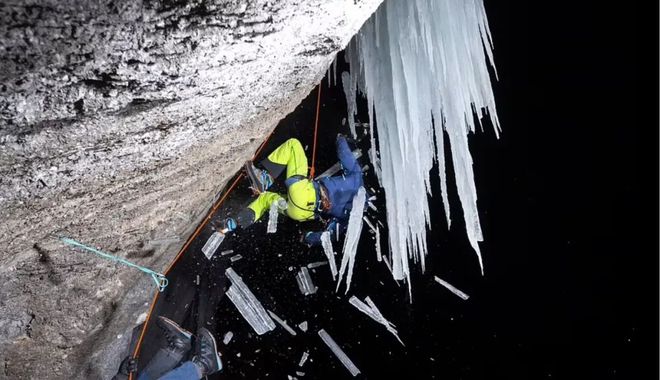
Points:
(329, 198)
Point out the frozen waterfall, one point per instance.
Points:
(423, 67)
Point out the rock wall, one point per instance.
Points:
(120, 120)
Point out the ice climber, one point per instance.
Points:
(328, 199)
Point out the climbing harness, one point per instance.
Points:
(159, 278)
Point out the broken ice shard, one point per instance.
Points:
(272, 218)
(235, 258)
(248, 305)
(227, 252)
(423, 67)
(352, 238)
(305, 282)
(303, 326)
(212, 244)
(303, 359)
(329, 252)
(227, 338)
(316, 264)
(282, 323)
(372, 311)
(339, 353)
(379, 255)
(451, 288)
(369, 223)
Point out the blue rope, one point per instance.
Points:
(159, 279)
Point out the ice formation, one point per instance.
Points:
(352, 238)
(248, 305)
(379, 255)
(423, 67)
(339, 353)
(329, 252)
(451, 288)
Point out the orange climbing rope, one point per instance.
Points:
(316, 127)
(192, 237)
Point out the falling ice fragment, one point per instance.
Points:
(303, 326)
(272, 218)
(282, 323)
(301, 374)
(379, 255)
(451, 288)
(303, 359)
(227, 252)
(369, 223)
(372, 311)
(212, 244)
(339, 353)
(227, 338)
(235, 258)
(316, 264)
(326, 243)
(371, 206)
(352, 238)
(305, 282)
(248, 305)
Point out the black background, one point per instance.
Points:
(568, 200)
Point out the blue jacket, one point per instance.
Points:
(341, 190)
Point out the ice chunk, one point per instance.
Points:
(326, 243)
(451, 288)
(227, 338)
(303, 326)
(371, 206)
(248, 305)
(212, 244)
(303, 359)
(227, 252)
(305, 282)
(235, 258)
(423, 67)
(339, 353)
(272, 218)
(300, 373)
(352, 238)
(282, 323)
(316, 264)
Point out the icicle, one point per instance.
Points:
(339, 353)
(282, 323)
(248, 305)
(272, 218)
(350, 93)
(379, 255)
(422, 65)
(372, 311)
(451, 288)
(329, 252)
(352, 238)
